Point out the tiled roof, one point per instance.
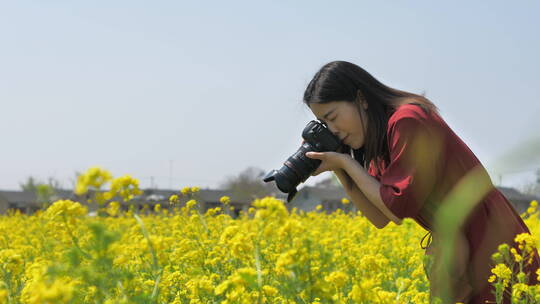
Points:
(18, 196)
(326, 194)
(513, 194)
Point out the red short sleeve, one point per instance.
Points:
(415, 158)
(373, 172)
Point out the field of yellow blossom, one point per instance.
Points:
(179, 255)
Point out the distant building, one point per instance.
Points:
(23, 201)
(207, 199)
(329, 198)
(519, 200)
(26, 202)
(307, 199)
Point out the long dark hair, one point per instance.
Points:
(345, 81)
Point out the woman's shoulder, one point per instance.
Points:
(411, 117)
(408, 111)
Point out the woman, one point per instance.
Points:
(414, 161)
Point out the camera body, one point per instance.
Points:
(298, 167)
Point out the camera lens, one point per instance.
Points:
(296, 169)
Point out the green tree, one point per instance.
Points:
(43, 191)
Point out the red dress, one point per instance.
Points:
(427, 159)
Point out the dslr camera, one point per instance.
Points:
(298, 167)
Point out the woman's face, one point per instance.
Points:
(343, 120)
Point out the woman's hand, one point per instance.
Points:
(331, 161)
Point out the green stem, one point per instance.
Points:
(74, 239)
(155, 264)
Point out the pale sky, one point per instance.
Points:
(192, 92)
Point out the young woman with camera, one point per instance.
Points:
(404, 161)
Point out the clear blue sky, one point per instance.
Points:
(215, 87)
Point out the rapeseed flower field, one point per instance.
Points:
(177, 254)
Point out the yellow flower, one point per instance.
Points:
(65, 207)
(345, 201)
(112, 208)
(517, 290)
(363, 292)
(517, 257)
(59, 291)
(11, 261)
(191, 203)
(285, 260)
(213, 211)
(319, 207)
(185, 190)
(221, 288)
(195, 189)
(93, 178)
(125, 186)
(502, 271)
(173, 199)
(525, 240)
(269, 290)
(225, 200)
(403, 283)
(338, 278)
(205, 254)
(3, 295)
(157, 208)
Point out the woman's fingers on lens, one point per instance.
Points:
(317, 155)
(311, 155)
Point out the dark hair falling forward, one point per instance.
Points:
(345, 81)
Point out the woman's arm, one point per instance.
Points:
(374, 215)
(369, 187)
(368, 196)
